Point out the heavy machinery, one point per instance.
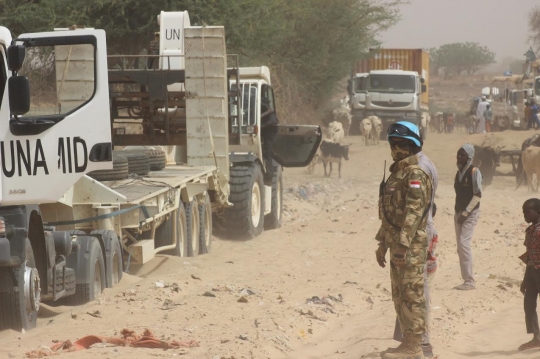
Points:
(65, 114)
(396, 87)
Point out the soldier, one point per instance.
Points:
(405, 200)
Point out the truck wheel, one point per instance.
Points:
(115, 263)
(164, 233)
(205, 211)
(246, 217)
(20, 303)
(193, 228)
(119, 171)
(92, 287)
(273, 219)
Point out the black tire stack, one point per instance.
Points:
(119, 171)
(139, 162)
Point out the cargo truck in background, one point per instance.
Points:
(71, 218)
(391, 84)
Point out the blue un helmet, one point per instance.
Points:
(405, 129)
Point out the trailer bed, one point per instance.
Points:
(139, 190)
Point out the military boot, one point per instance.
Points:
(411, 348)
(426, 348)
(393, 350)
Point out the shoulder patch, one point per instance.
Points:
(415, 184)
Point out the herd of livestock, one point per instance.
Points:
(338, 124)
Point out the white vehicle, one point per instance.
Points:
(66, 234)
(396, 87)
(358, 89)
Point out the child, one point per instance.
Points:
(530, 286)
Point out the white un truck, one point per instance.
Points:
(107, 161)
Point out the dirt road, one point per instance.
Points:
(312, 289)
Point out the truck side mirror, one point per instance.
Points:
(424, 88)
(19, 95)
(349, 86)
(15, 57)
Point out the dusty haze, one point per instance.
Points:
(499, 24)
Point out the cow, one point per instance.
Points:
(333, 152)
(376, 129)
(334, 132)
(486, 159)
(521, 177)
(366, 129)
(316, 159)
(343, 115)
(531, 165)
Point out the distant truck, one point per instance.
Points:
(393, 85)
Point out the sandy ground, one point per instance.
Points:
(324, 250)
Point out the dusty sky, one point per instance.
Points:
(500, 25)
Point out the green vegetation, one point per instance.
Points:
(457, 58)
(310, 45)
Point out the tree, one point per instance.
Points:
(456, 58)
(310, 45)
(534, 27)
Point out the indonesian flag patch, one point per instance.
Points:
(414, 184)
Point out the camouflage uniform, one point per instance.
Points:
(402, 209)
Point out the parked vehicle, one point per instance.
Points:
(396, 88)
(76, 208)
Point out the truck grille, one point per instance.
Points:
(393, 104)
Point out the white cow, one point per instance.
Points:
(334, 131)
(343, 115)
(365, 129)
(376, 129)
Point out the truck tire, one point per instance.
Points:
(423, 133)
(138, 162)
(119, 171)
(156, 158)
(206, 235)
(91, 288)
(115, 263)
(20, 304)
(246, 217)
(273, 219)
(165, 232)
(193, 228)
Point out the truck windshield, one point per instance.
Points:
(360, 84)
(392, 83)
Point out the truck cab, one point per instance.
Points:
(394, 95)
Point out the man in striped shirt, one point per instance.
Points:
(530, 286)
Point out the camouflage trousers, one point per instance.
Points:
(408, 291)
